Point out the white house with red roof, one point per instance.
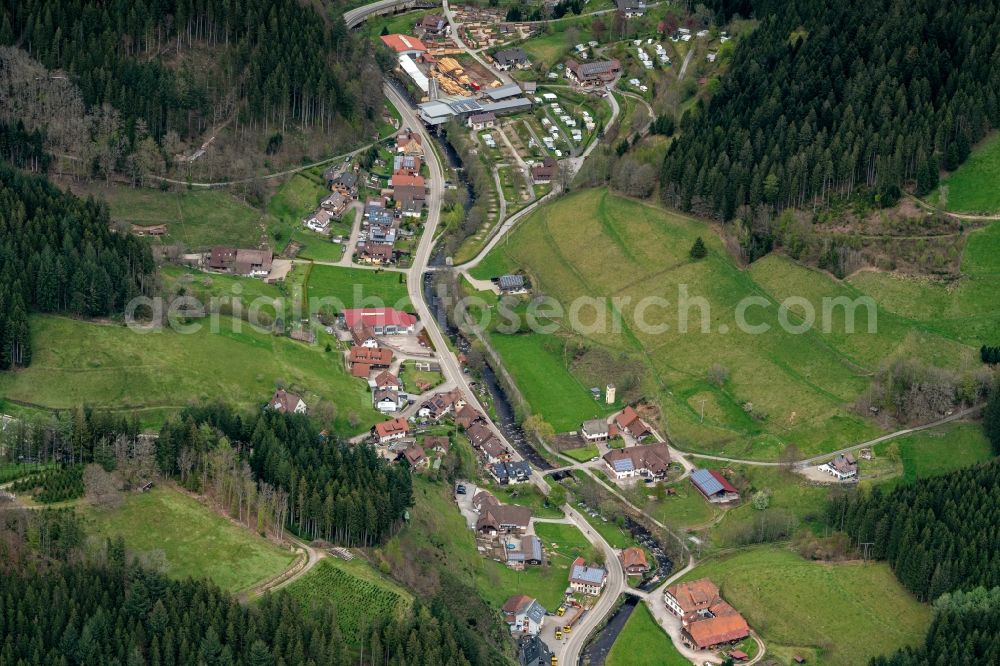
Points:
(405, 45)
(391, 430)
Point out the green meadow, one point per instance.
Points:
(644, 643)
(783, 385)
(974, 187)
(359, 287)
(194, 541)
(159, 372)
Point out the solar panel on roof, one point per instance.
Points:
(705, 481)
(624, 465)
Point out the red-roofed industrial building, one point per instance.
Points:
(405, 45)
(382, 321)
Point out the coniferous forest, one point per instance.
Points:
(939, 534)
(278, 56)
(58, 254)
(321, 489)
(61, 603)
(828, 98)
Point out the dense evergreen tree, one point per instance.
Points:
(23, 149)
(962, 633)
(828, 97)
(278, 59)
(345, 494)
(58, 254)
(939, 534)
(698, 250)
(991, 419)
(990, 355)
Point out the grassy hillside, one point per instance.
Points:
(358, 594)
(197, 219)
(782, 387)
(358, 287)
(975, 186)
(644, 643)
(802, 606)
(194, 541)
(159, 372)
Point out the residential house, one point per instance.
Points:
(483, 500)
(511, 284)
(492, 450)
(363, 336)
(481, 121)
(595, 430)
(248, 263)
(631, 8)
(514, 58)
(287, 403)
(524, 615)
(628, 421)
(714, 486)
(382, 234)
(466, 416)
(408, 164)
(378, 254)
(388, 431)
(587, 579)
(544, 172)
(528, 552)
(336, 203)
(634, 561)
(345, 183)
(706, 619)
(372, 357)
(414, 457)
(409, 142)
(382, 321)
(507, 473)
(388, 400)
(439, 444)
(651, 461)
(433, 25)
(377, 213)
(503, 519)
(410, 193)
(442, 403)
(405, 45)
(532, 651)
(319, 221)
(844, 466)
(386, 380)
(594, 72)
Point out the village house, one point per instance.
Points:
(514, 58)
(377, 213)
(409, 142)
(388, 400)
(439, 444)
(706, 619)
(532, 651)
(587, 579)
(511, 284)
(595, 430)
(408, 164)
(524, 615)
(483, 500)
(594, 72)
(363, 336)
(441, 404)
(319, 221)
(414, 457)
(634, 561)
(287, 403)
(714, 487)
(506, 473)
(336, 203)
(650, 461)
(528, 553)
(481, 121)
(388, 431)
(382, 321)
(466, 416)
(345, 183)
(631, 8)
(409, 192)
(247, 263)
(405, 45)
(503, 519)
(628, 421)
(432, 25)
(378, 254)
(843, 467)
(544, 172)
(372, 357)
(382, 233)
(385, 380)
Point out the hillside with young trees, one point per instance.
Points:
(826, 99)
(154, 76)
(58, 254)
